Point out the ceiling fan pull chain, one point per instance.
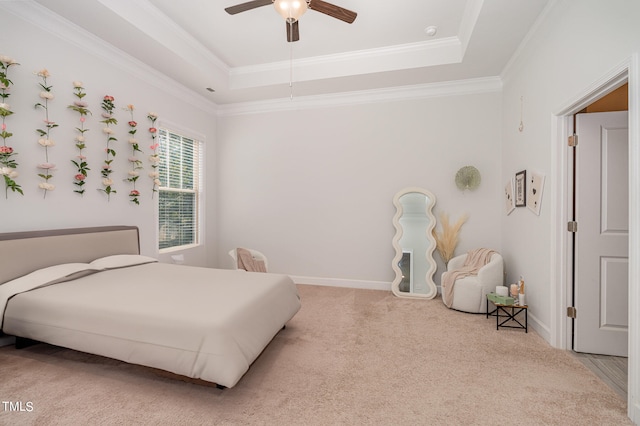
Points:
(291, 70)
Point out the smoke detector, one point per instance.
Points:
(431, 30)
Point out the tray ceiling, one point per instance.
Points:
(246, 57)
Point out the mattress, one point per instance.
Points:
(204, 323)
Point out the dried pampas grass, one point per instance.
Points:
(447, 239)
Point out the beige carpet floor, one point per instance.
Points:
(349, 357)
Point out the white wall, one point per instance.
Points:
(69, 54)
(563, 57)
(577, 44)
(313, 188)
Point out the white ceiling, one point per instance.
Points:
(246, 57)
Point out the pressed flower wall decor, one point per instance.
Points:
(154, 159)
(80, 162)
(45, 134)
(136, 163)
(8, 163)
(81, 173)
(108, 106)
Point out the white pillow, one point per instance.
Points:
(38, 278)
(121, 261)
(48, 274)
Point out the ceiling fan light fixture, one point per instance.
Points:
(291, 10)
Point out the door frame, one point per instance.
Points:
(561, 247)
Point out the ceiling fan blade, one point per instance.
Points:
(243, 7)
(293, 32)
(333, 10)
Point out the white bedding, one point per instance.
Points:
(203, 323)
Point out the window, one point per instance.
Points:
(178, 191)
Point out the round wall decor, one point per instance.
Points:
(468, 177)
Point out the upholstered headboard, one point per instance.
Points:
(25, 252)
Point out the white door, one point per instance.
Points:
(601, 247)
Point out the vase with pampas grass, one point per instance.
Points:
(447, 239)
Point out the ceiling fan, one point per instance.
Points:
(291, 10)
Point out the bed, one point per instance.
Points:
(90, 290)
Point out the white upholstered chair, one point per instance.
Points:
(255, 253)
(470, 293)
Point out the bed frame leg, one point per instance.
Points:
(23, 342)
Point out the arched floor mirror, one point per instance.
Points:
(414, 244)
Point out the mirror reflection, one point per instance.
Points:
(407, 270)
(414, 243)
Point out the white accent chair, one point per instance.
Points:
(255, 253)
(470, 293)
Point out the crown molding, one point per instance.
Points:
(518, 55)
(468, 22)
(441, 51)
(404, 56)
(422, 91)
(71, 33)
(378, 53)
(150, 20)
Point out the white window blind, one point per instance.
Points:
(179, 190)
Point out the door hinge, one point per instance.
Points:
(572, 226)
(571, 311)
(573, 140)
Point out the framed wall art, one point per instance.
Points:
(508, 197)
(521, 189)
(534, 192)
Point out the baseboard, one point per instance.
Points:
(540, 328)
(341, 282)
(634, 411)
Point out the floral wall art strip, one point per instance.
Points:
(8, 163)
(80, 161)
(108, 106)
(136, 163)
(45, 134)
(154, 159)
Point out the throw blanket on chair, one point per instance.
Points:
(475, 260)
(247, 262)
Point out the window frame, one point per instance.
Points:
(164, 133)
